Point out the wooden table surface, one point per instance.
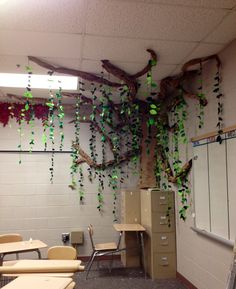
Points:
(35, 282)
(43, 266)
(21, 246)
(129, 227)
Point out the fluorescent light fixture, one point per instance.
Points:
(2, 2)
(38, 81)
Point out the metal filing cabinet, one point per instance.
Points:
(130, 214)
(160, 245)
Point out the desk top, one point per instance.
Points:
(43, 266)
(35, 282)
(129, 227)
(21, 246)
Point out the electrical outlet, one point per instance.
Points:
(65, 237)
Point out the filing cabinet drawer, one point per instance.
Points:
(163, 242)
(160, 223)
(164, 266)
(161, 200)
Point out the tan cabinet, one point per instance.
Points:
(157, 216)
(130, 214)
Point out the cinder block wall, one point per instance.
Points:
(33, 207)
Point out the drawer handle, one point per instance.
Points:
(164, 261)
(164, 237)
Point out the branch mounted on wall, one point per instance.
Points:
(124, 77)
(121, 119)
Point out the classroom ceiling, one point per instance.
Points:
(79, 33)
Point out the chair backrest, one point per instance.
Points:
(8, 238)
(62, 253)
(90, 230)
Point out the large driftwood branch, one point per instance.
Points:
(98, 128)
(166, 98)
(195, 61)
(129, 80)
(168, 170)
(84, 75)
(182, 174)
(169, 85)
(120, 159)
(152, 62)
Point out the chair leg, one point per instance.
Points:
(90, 258)
(111, 262)
(90, 264)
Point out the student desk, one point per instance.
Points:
(35, 282)
(57, 267)
(20, 247)
(132, 228)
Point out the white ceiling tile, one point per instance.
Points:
(177, 70)
(203, 50)
(154, 21)
(227, 4)
(134, 50)
(40, 44)
(92, 66)
(161, 71)
(225, 32)
(43, 15)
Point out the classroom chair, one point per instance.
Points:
(100, 250)
(62, 253)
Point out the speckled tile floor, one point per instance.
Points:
(121, 278)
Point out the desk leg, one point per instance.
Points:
(39, 254)
(1, 259)
(143, 254)
(119, 240)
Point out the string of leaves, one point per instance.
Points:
(74, 155)
(202, 97)
(219, 98)
(60, 116)
(151, 85)
(51, 126)
(179, 136)
(29, 106)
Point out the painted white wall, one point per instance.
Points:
(202, 261)
(33, 207)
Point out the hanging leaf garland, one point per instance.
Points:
(51, 126)
(219, 98)
(60, 116)
(93, 151)
(153, 107)
(179, 136)
(103, 117)
(136, 131)
(74, 155)
(202, 97)
(29, 107)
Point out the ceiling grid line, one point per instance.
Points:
(150, 2)
(78, 35)
(221, 21)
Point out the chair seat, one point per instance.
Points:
(106, 246)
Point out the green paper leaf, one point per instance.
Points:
(153, 105)
(153, 112)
